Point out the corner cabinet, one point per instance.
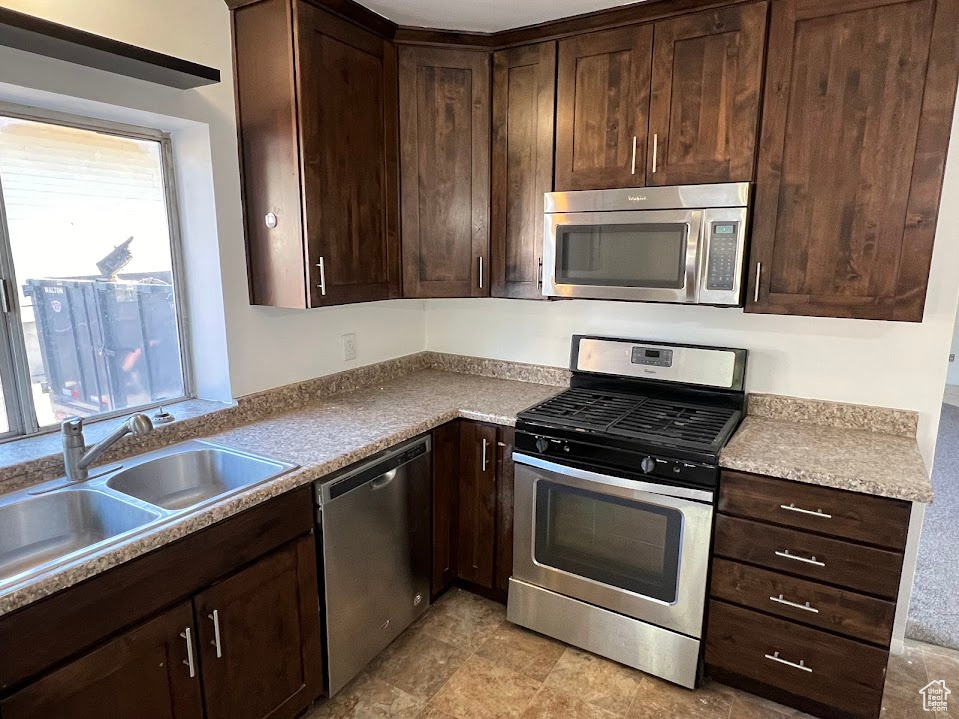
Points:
(473, 507)
(316, 108)
(856, 124)
(524, 92)
(444, 155)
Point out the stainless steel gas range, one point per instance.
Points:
(614, 500)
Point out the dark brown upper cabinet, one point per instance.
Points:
(316, 107)
(704, 103)
(602, 110)
(444, 154)
(524, 92)
(856, 123)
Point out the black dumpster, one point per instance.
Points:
(107, 344)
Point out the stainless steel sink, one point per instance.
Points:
(37, 530)
(185, 479)
(55, 524)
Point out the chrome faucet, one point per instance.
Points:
(77, 458)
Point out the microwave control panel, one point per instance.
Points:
(721, 263)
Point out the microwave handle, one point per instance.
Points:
(695, 253)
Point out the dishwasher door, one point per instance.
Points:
(374, 521)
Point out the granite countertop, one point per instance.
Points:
(861, 449)
(321, 437)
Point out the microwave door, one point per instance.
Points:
(636, 255)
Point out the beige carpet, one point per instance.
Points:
(934, 608)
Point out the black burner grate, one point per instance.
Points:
(636, 417)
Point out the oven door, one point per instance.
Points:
(650, 255)
(637, 548)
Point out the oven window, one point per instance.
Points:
(640, 255)
(626, 544)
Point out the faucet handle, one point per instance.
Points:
(72, 426)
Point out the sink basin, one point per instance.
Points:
(187, 478)
(45, 528)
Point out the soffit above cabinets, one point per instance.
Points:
(484, 15)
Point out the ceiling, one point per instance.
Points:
(484, 15)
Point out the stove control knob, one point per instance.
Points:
(541, 445)
(648, 465)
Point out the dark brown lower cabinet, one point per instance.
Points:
(477, 503)
(472, 506)
(144, 672)
(254, 648)
(222, 623)
(446, 461)
(259, 637)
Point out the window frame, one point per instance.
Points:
(14, 367)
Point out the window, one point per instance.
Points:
(88, 258)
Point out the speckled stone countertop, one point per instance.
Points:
(321, 436)
(853, 447)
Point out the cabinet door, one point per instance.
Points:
(444, 153)
(524, 90)
(856, 122)
(477, 504)
(446, 474)
(504, 507)
(259, 637)
(347, 94)
(264, 68)
(704, 103)
(602, 110)
(144, 673)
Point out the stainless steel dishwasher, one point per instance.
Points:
(373, 525)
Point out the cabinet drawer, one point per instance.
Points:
(850, 515)
(836, 672)
(837, 610)
(865, 569)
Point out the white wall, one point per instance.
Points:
(263, 347)
(892, 364)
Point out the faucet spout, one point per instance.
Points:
(77, 458)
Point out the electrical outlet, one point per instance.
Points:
(349, 347)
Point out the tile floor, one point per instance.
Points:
(463, 660)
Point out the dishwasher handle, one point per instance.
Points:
(378, 471)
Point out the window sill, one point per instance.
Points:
(38, 457)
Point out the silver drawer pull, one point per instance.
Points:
(808, 560)
(186, 634)
(794, 508)
(776, 658)
(794, 605)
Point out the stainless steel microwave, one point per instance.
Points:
(653, 244)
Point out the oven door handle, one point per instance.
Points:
(664, 490)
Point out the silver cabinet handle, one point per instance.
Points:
(794, 508)
(634, 155)
(189, 651)
(776, 658)
(322, 267)
(805, 607)
(481, 271)
(786, 555)
(484, 454)
(759, 274)
(655, 152)
(215, 618)
(539, 274)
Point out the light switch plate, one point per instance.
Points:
(349, 347)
